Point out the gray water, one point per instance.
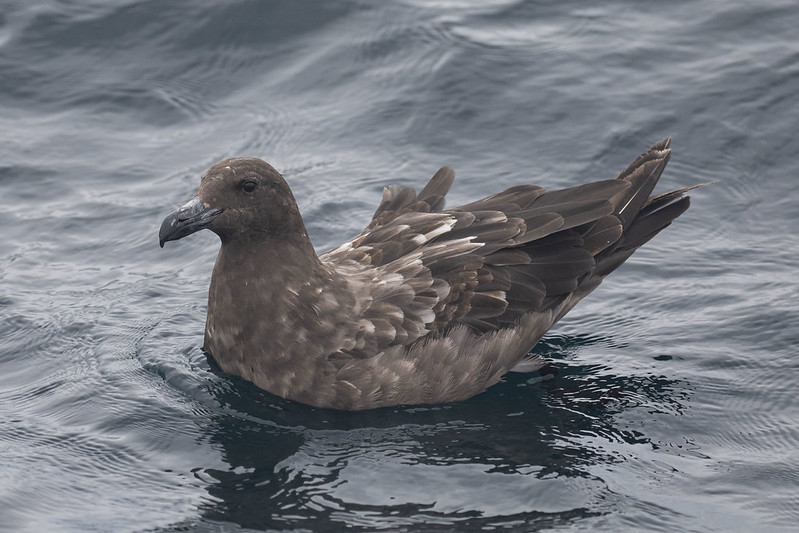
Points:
(674, 407)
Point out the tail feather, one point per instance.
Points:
(647, 225)
(662, 199)
(643, 216)
(642, 175)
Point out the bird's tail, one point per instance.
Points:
(643, 216)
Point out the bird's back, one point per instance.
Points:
(458, 297)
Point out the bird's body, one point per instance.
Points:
(426, 305)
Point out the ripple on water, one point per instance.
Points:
(673, 407)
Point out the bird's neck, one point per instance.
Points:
(264, 277)
(266, 256)
(274, 311)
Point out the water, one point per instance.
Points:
(674, 408)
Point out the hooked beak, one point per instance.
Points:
(192, 217)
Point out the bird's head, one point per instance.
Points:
(240, 199)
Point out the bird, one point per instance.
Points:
(427, 305)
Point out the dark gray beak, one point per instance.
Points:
(192, 217)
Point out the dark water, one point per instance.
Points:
(675, 407)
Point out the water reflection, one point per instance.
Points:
(523, 454)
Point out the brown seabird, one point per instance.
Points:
(427, 304)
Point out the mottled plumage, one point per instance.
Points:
(427, 304)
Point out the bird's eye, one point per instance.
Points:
(249, 185)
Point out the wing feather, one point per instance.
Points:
(487, 264)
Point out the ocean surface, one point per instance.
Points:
(675, 404)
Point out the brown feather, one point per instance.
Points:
(425, 305)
